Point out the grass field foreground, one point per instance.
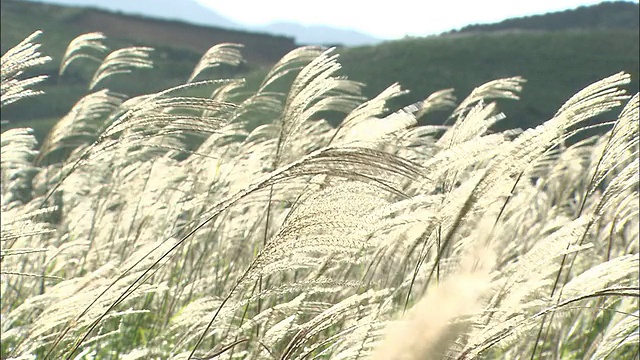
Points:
(164, 226)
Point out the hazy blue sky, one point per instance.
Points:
(386, 19)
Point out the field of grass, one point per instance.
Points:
(240, 224)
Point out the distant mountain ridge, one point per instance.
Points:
(183, 10)
(192, 12)
(606, 15)
(319, 34)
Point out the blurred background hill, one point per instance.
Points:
(192, 12)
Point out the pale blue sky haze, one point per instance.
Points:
(383, 18)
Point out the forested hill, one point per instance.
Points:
(178, 47)
(606, 15)
(62, 23)
(558, 53)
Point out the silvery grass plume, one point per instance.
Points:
(85, 46)
(14, 62)
(226, 53)
(294, 239)
(82, 124)
(122, 61)
(22, 225)
(435, 326)
(17, 152)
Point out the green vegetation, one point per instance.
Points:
(555, 65)
(171, 226)
(61, 24)
(585, 44)
(177, 49)
(606, 15)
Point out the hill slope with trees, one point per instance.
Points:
(556, 65)
(558, 53)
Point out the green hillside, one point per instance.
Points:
(556, 65)
(62, 23)
(556, 61)
(606, 15)
(178, 47)
(558, 53)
